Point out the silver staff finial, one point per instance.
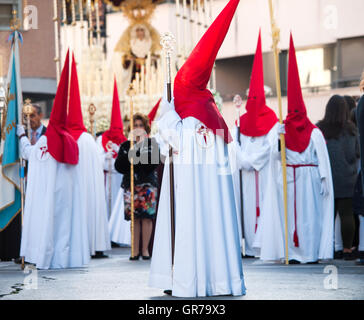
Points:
(238, 101)
(168, 42)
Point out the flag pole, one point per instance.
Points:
(167, 42)
(238, 101)
(275, 38)
(131, 93)
(15, 25)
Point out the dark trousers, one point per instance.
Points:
(10, 240)
(344, 207)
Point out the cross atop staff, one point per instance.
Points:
(27, 111)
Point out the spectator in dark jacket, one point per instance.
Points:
(145, 154)
(343, 147)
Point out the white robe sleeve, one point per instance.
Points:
(25, 148)
(170, 128)
(260, 157)
(327, 235)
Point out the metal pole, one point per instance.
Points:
(167, 42)
(238, 101)
(109, 149)
(131, 93)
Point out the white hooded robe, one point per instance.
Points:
(90, 194)
(48, 216)
(257, 151)
(207, 259)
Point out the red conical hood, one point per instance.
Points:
(75, 123)
(259, 118)
(61, 144)
(115, 133)
(191, 97)
(154, 111)
(297, 125)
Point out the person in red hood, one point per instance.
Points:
(89, 206)
(207, 259)
(258, 135)
(309, 180)
(46, 236)
(108, 145)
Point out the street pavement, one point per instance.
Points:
(117, 278)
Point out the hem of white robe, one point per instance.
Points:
(309, 259)
(234, 288)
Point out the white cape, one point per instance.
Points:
(207, 259)
(257, 150)
(315, 212)
(46, 237)
(90, 194)
(119, 228)
(116, 178)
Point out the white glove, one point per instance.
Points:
(242, 161)
(20, 130)
(281, 129)
(324, 187)
(115, 147)
(166, 106)
(109, 155)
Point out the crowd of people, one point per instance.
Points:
(225, 189)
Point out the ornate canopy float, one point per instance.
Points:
(136, 57)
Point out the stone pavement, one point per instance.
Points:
(118, 278)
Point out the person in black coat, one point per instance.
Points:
(146, 158)
(343, 147)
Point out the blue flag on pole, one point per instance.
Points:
(10, 196)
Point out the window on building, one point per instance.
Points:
(312, 69)
(6, 12)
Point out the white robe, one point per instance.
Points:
(257, 150)
(48, 217)
(207, 259)
(116, 177)
(315, 213)
(119, 228)
(90, 195)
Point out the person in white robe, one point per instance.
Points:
(89, 205)
(108, 146)
(48, 216)
(309, 181)
(207, 259)
(258, 134)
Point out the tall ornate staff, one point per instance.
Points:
(110, 150)
(26, 111)
(92, 111)
(167, 42)
(131, 93)
(238, 101)
(275, 38)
